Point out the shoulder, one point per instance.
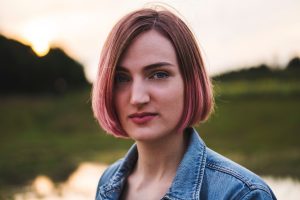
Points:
(108, 174)
(225, 177)
(110, 171)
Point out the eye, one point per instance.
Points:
(159, 75)
(121, 78)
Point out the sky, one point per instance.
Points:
(232, 34)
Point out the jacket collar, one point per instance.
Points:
(189, 174)
(188, 180)
(113, 188)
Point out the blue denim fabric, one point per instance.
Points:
(202, 174)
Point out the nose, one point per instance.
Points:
(139, 93)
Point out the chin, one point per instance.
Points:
(147, 134)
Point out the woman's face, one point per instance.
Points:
(149, 89)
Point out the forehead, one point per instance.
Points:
(148, 48)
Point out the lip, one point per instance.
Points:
(142, 118)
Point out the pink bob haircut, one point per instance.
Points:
(198, 99)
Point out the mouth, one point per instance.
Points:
(142, 118)
(143, 114)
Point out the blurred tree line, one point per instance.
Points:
(289, 72)
(22, 71)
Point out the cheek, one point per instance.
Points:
(176, 102)
(172, 99)
(119, 103)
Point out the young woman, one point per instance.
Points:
(152, 87)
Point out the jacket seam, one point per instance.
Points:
(238, 176)
(252, 190)
(170, 197)
(201, 173)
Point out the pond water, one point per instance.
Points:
(81, 185)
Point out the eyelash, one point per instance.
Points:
(159, 75)
(120, 76)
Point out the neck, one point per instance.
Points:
(159, 160)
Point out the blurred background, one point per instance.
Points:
(51, 146)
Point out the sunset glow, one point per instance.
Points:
(229, 37)
(39, 34)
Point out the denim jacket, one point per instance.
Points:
(202, 174)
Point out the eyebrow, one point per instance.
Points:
(147, 67)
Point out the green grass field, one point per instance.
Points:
(255, 124)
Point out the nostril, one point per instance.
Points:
(140, 99)
(139, 94)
